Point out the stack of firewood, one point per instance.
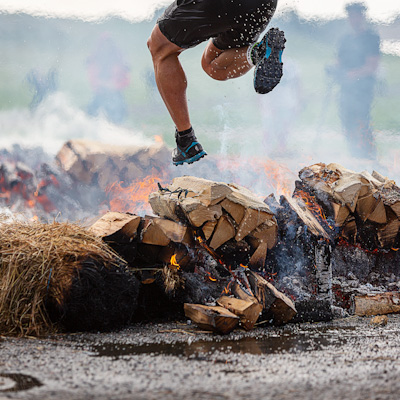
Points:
(366, 207)
(95, 163)
(198, 216)
(219, 213)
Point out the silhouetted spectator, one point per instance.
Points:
(42, 85)
(109, 76)
(355, 72)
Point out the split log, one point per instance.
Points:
(208, 229)
(377, 304)
(366, 206)
(341, 212)
(224, 231)
(306, 216)
(160, 232)
(212, 318)
(203, 214)
(247, 311)
(238, 292)
(252, 218)
(347, 190)
(273, 300)
(379, 214)
(116, 224)
(234, 209)
(258, 257)
(388, 234)
(98, 163)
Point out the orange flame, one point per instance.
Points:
(133, 198)
(313, 206)
(210, 277)
(227, 288)
(174, 263)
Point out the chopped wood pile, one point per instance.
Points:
(95, 163)
(198, 221)
(365, 207)
(219, 213)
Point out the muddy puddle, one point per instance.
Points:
(277, 343)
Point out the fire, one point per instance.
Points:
(271, 174)
(133, 198)
(227, 288)
(174, 263)
(24, 187)
(278, 177)
(210, 277)
(313, 206)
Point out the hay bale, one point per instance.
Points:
(59, 276)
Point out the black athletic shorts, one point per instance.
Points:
(231, 23)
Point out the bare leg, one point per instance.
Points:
(225, 64)
(170, 77)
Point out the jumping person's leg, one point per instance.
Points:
(225, 64)
(170, 77)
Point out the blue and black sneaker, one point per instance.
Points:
(267, 58)
(188, 149)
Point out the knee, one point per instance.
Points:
(213, 72)
(153, 44)
(159, 46)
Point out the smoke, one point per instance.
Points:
(57, 120)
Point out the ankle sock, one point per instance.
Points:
(250, 54)
(184, 138)
(185, 132)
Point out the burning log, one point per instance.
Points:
(220, 213)
(247, 311)
(281, 307)
(95, 163)
(377, 304)
(364, 206)
(306, 216)
(212, 318)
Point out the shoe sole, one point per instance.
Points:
(191, 160)
(269, 69)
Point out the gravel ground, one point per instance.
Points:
(344, 359)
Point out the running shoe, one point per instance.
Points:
(188, 149)
(267, 57)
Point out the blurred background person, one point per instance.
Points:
(41, 84)
(355, 71)
(108, 76)
(280, 112)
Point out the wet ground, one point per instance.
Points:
(344, 359)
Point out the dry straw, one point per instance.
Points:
(38, 263)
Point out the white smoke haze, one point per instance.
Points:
(57, 120)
